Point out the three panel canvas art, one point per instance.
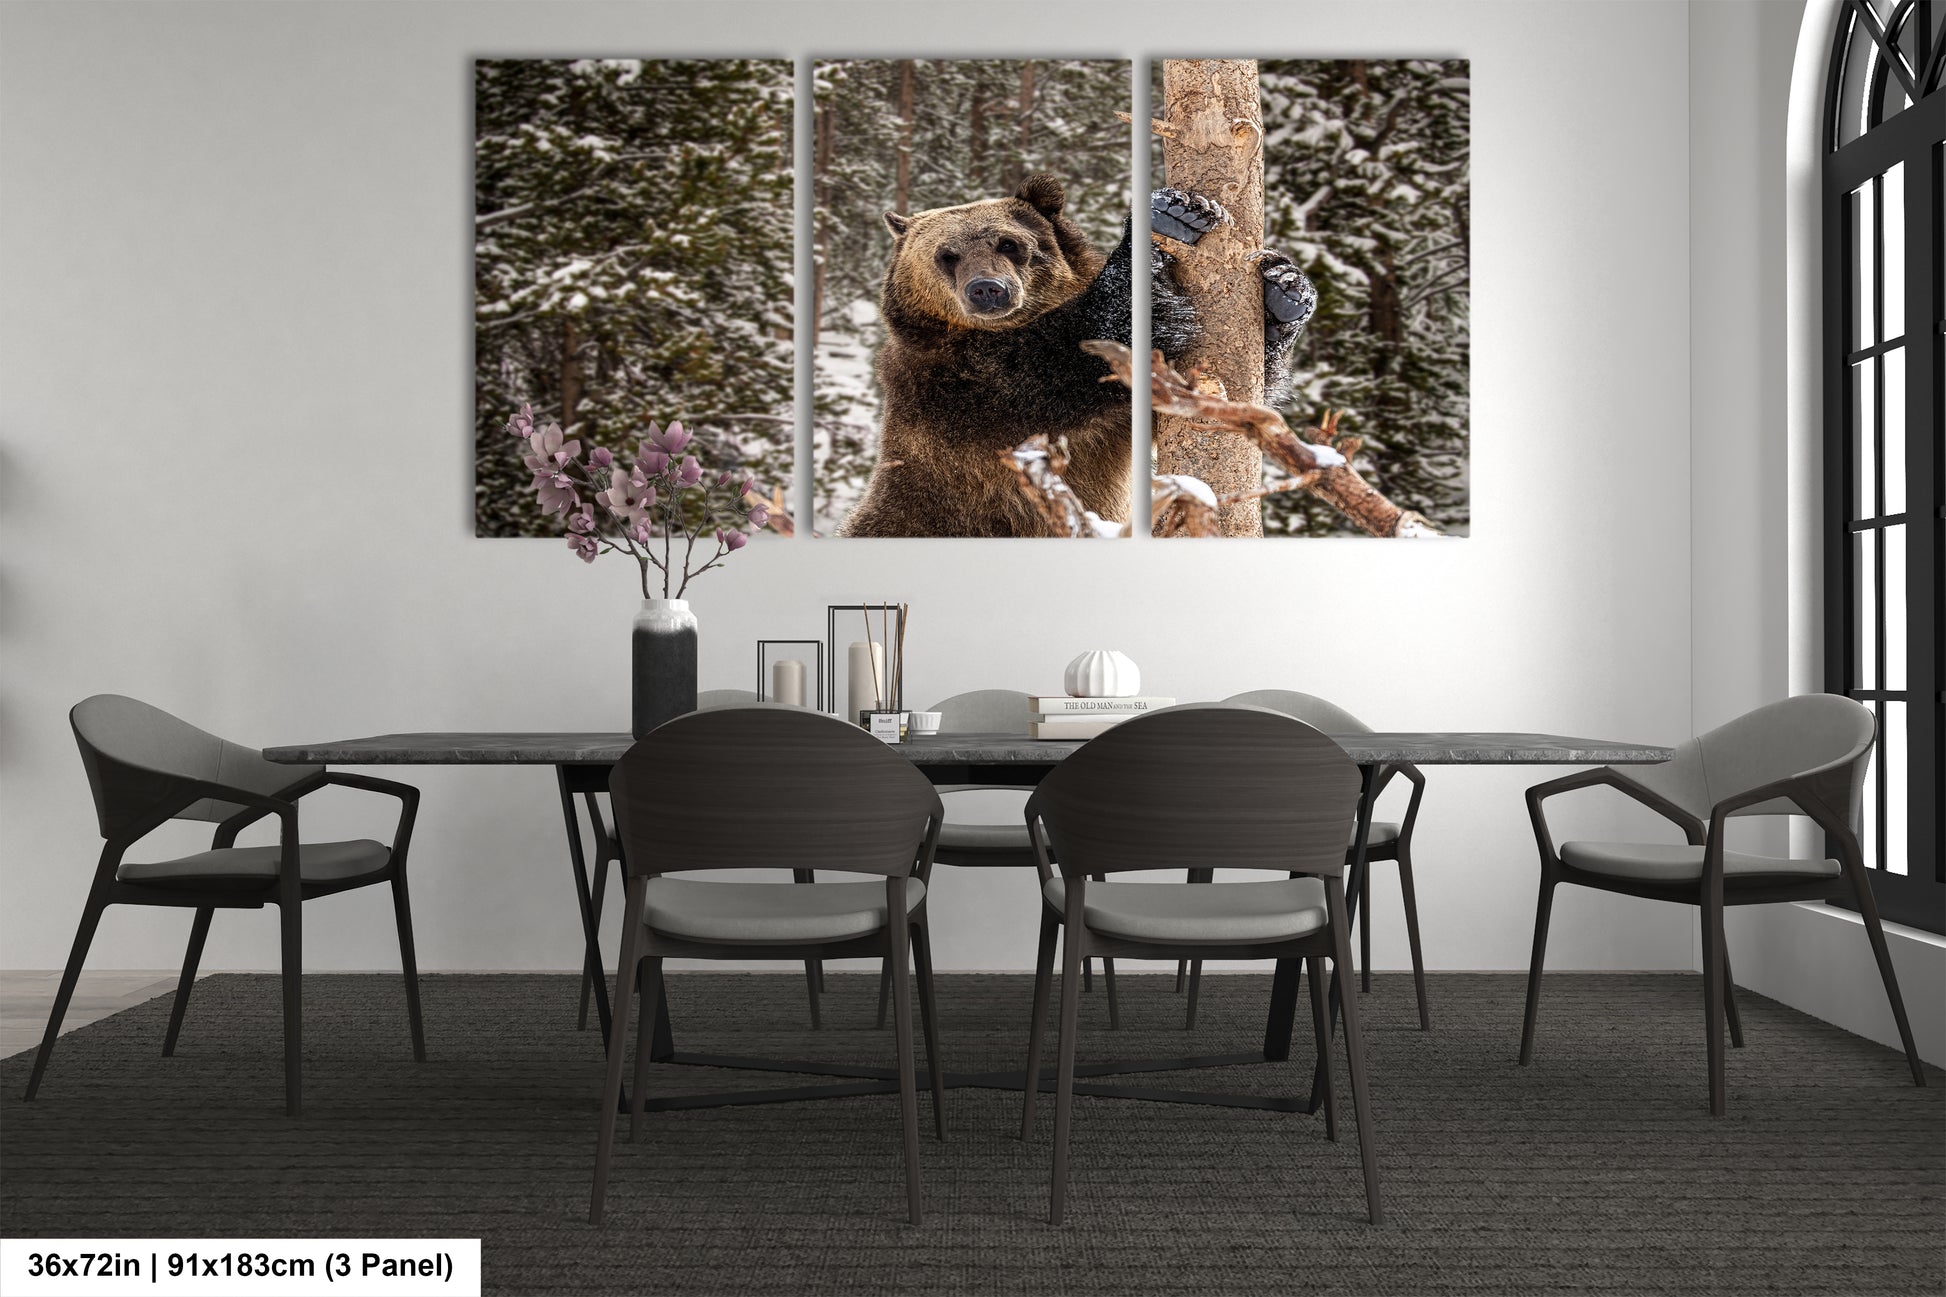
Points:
(977, 253)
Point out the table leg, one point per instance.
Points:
(590, 933)
(1354, 880)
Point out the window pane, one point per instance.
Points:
(1865, 462)
(1893, 442)
(1894, 231)
(1895, 607)
(1862, 286)
(1893, 737)
(1864, 641)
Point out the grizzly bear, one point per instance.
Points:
(986, 306)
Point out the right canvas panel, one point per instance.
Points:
(1311, 227)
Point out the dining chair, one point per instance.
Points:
(146, 767)
(608, 851)
(744, 788)
(1386, 840)
(1238, 787)
(992, 846)
(1803, 756)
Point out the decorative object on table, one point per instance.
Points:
(1103, 673)
(889, 726)
(788, 679)
(606, 267)
(668, 496)
(923, 723)
(875, 665)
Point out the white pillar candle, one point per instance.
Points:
(787, 682)
(866, 678)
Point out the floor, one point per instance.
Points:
(27, 997)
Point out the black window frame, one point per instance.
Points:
(1875, 61)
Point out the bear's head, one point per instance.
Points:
(994, 264)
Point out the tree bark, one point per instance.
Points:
(908, 73)
(1214, 147)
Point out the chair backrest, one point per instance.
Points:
(770, 787)
(135, 755)
(710, 698)
(1760, 747)
(985, 711)
(1325, 717)
(1207, 785)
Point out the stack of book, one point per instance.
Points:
(1083, 718)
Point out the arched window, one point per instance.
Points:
(1884, 206)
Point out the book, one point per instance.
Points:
(1073, 727)
(1061, 705)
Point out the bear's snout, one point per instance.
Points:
(989, 296)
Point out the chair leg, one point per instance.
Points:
(1412, 934)
(884, 989)
(813, 968)
(409, 961)
(1071, 961)
(1730, 1001)
(1361, 1106)
(611, 1094)
(929, 1022)
(1087, 977)
(1114, 1006)
(1868, 910)
(1043, 980)
(291, 920)
(897, 936)
(1182, 974)
(1195, 992)
(1321, 1025)
(1365, 927)
(1543, 908)
(1713, 995)
(77, 956)
(649, 973)
(198, 933)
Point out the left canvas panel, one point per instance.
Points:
(632, 266)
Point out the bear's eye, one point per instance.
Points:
(1007, 248)
(948, 258)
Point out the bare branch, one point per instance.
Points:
(1156, 125)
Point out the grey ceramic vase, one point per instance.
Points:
(664, 663)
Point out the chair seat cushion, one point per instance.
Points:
(1199, 912)
(245, 867)
(1657, 862)
(954, 836)
(783, 913)
(1382, 832)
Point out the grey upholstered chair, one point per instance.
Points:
(992, 846)
(834, 797)
(1803, 756)
(1387, 840)
(1240, 787)
(145, 767)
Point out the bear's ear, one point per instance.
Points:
(897, 224)
(1043, 193)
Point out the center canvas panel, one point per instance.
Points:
(971, 237)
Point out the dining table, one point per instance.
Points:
(582, 762)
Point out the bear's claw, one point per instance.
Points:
(1183, 216)
(1289, 298)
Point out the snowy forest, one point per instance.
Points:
(1366, 188)
(632, 263)
(904, 135)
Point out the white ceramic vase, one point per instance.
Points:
(1103, 673)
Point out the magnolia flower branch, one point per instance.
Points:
(654, 495)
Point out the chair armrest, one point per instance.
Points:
(1418, 782)
(1610, 777)
(408, 805)
(1037, 838)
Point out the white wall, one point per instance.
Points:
(234, 253)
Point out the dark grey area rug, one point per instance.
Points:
(1596, 1170)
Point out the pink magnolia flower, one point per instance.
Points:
(732, 540)
(582, 520)
(629, 497)
(691, 472)
(759, 516)
(556, 492)
(653, 462)
(522, 424)
(641, 532)
(600, 457)
(669, 440)
(584, 545)
(550, 452)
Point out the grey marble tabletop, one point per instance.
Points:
(506, 748)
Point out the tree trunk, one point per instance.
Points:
(907, 74)
(1215, 148)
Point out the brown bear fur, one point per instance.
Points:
(964, 385)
